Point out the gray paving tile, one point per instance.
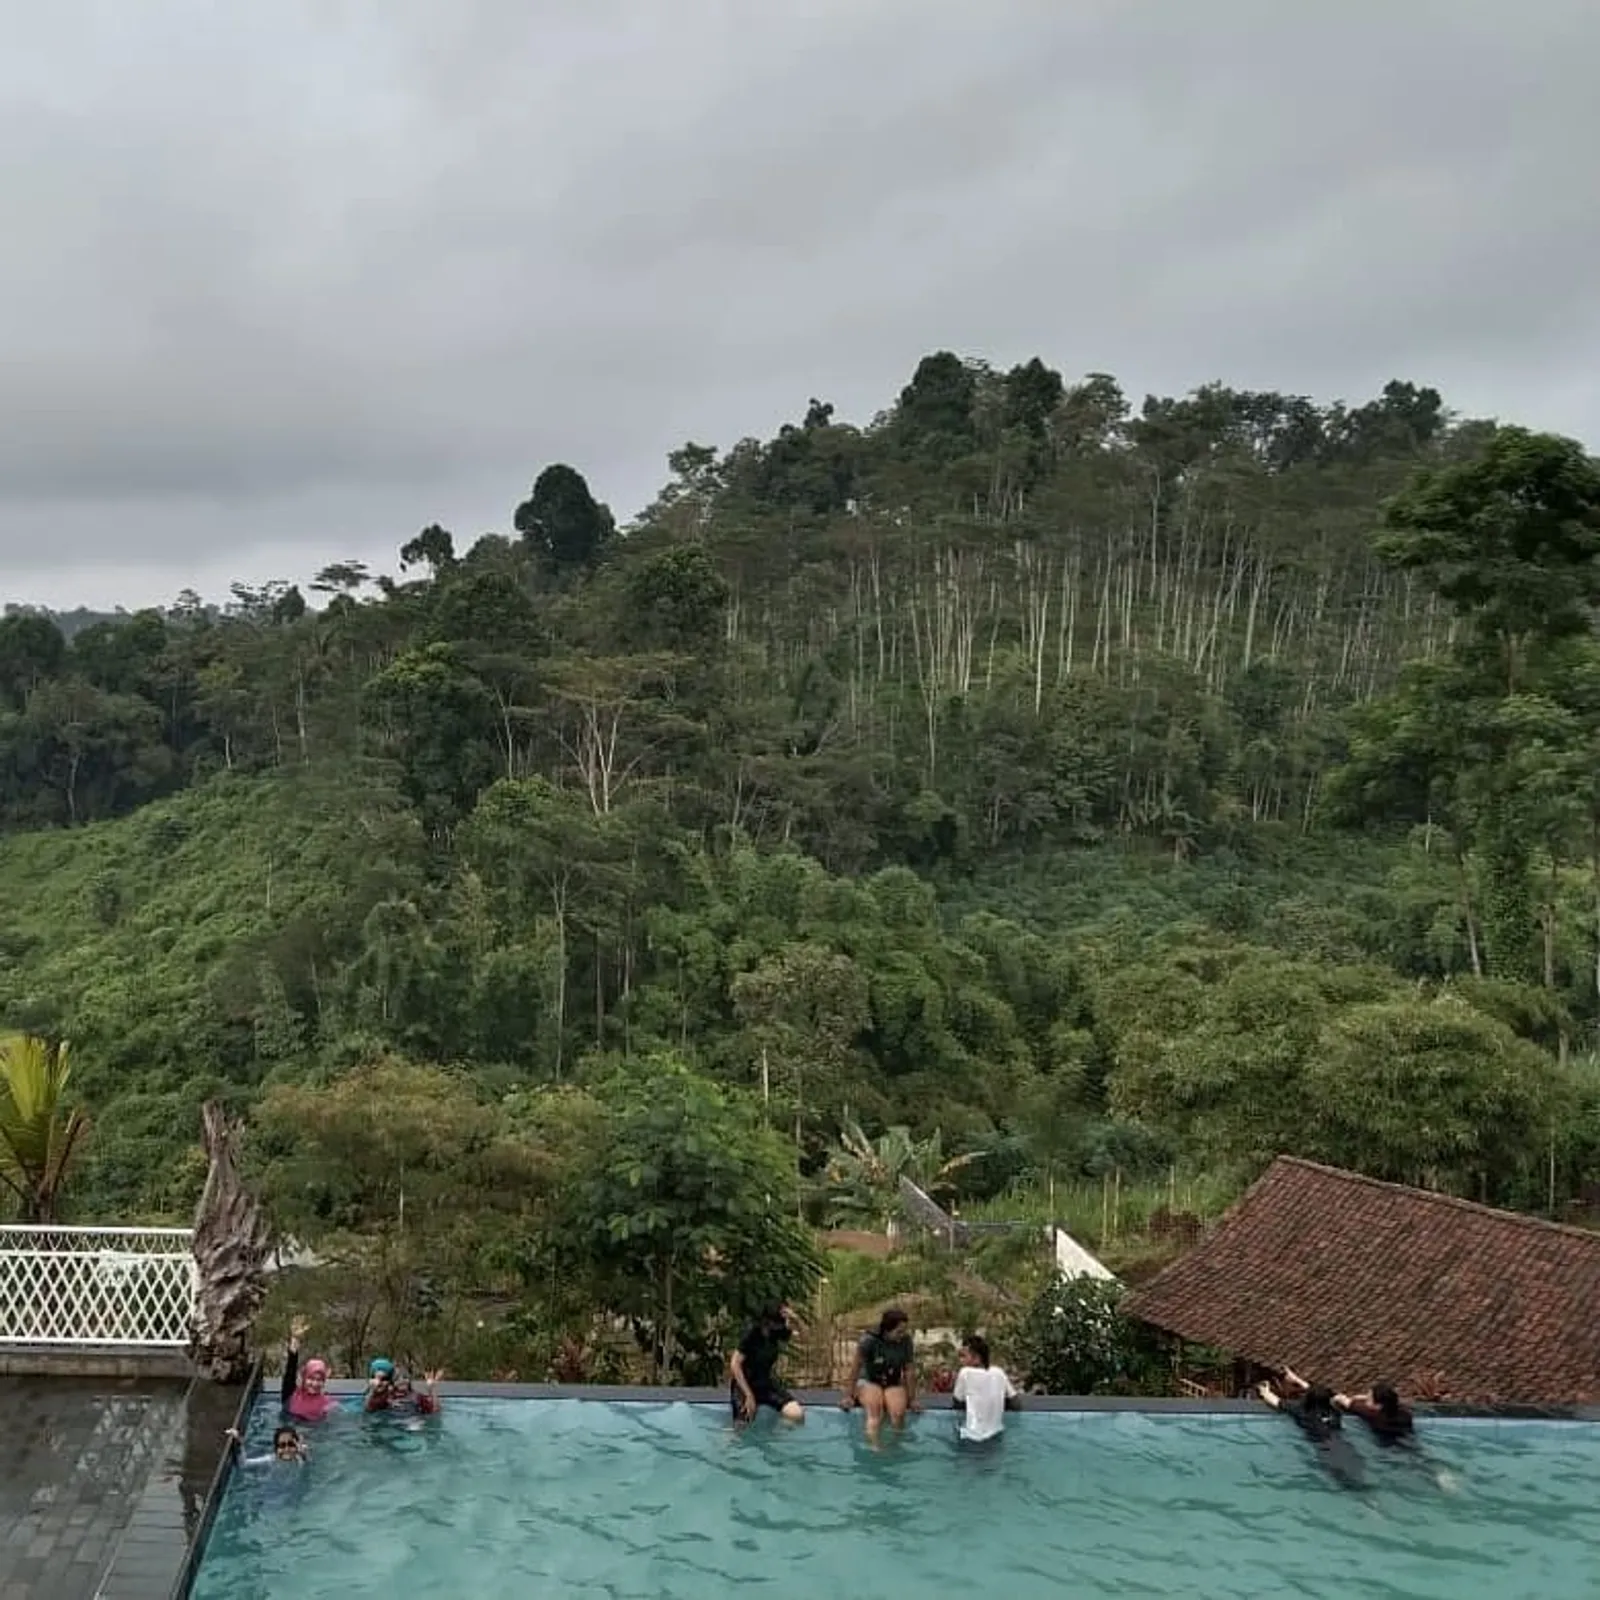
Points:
(103, 1482)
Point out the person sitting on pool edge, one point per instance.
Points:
(304, 1395)
(883, 1374)
(1310, 1407)
(287, 1446)
(983, 1392)
(1380, 1408)
(752, 1382)
(388, 1390)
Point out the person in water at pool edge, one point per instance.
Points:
(1381, 1409)
(304, 1394)
(983, 1392)
(883, 1374)
(1311, 1408)
(1393, 1425)
(752, 1382)
(388, 1390)
(287, 1446)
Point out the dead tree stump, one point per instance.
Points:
(231, 1246)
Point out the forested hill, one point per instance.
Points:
(69, 623)
(891, 625)
(1105, 683)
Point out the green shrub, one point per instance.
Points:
(1074, 1339)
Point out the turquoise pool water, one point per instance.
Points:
(568, 1497)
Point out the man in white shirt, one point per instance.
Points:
(983, 1392)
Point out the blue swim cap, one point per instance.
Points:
(380, 1364)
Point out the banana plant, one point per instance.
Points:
(863, 1175)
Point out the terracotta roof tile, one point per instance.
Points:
(1349, 1281)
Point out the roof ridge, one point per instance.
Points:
(1499, 1214)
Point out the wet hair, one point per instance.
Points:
(979, 1346)
(1319, 1400)
(1387, 1399)
(892, 1319)
(285, 1436)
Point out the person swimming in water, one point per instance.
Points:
(390, 1390)
(1310, 1407)
(1381, 1409)
(424, 1402)
(304, 1394)
(287, 1447)
(983, 1393)
(882, 1377)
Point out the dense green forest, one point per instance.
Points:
(1077, 789)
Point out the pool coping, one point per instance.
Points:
(1181, 1405)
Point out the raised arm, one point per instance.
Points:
(291, 1359)
(1269, 1394)
(428, 1399)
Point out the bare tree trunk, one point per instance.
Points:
(230, 1252)
(1474, 949)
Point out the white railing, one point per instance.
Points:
(96, 1286)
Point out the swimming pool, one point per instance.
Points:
(509, 1497)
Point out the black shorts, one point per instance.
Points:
(772, 1394)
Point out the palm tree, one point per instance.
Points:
(40, 1135)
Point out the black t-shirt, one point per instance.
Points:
(1322, 1427)
(1316, 1421)
(761, 1346)
(884, 1361)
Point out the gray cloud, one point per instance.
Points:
(285, 283)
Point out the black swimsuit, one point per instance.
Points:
(761, 1347)
(884, 1361)
(1339, 1456)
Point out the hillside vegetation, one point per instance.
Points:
(1082, 792)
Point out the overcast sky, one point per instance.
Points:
(283, 283)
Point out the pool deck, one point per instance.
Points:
(105, 1482)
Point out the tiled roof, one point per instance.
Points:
(1350, 1281)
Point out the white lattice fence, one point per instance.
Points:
(96, 1286)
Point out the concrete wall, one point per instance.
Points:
(109, 1361)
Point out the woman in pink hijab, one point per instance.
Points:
(306, 1400)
